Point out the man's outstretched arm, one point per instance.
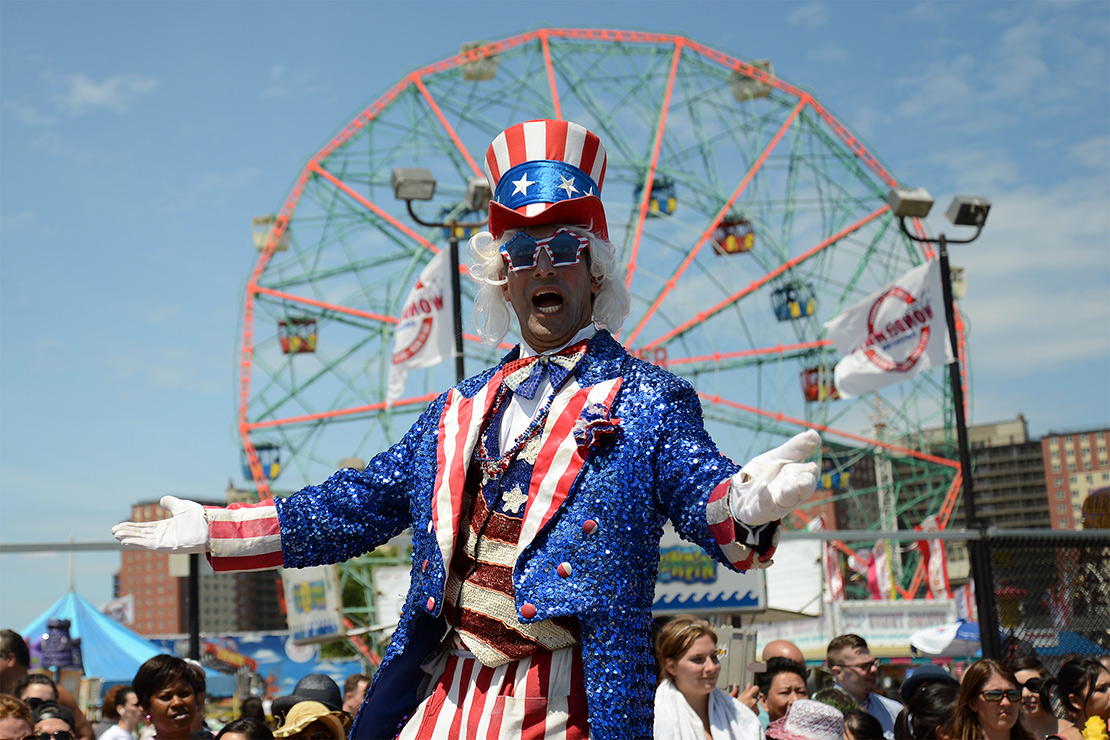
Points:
(236, 538)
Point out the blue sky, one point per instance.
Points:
(137, 140)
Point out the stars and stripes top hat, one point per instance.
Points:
(546, 172)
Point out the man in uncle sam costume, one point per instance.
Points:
(536, 491)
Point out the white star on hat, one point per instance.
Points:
(522, 185)
(567, 185)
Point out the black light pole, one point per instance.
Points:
(964, 211)
(194, 606)
(411, 184)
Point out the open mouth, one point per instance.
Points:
(547, 301)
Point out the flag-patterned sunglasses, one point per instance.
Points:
(564, 247)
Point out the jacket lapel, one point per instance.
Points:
(459, 426)
(560, 458)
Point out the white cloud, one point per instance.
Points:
(30, 115)
(285, 84)
(142, 370)
(1045, 65)
(1037, 280)
(809, 15)
(1092, 152)
(79, 93)
(829, 54)
(277, 86)
(206, 190)
(161, 314)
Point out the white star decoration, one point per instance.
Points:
(567, 185)
(514, 500)
(522, 185)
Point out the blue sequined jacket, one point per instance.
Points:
(660, 464)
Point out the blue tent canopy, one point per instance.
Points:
(109, 650)
(1069, 643)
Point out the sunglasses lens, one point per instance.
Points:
(564, 248)
(1033, 684)
(521, 252)
(995, 696)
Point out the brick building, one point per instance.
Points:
(1075, 465)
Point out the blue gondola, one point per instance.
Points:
(793, 301)
(269, 455)
(832, 478)
(662, 199)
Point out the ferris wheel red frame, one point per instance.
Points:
(315, 170)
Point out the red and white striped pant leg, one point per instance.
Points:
(537, 698)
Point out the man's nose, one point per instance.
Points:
(543, 264)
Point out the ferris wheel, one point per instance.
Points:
(746, 215)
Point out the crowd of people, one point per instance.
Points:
(166, 700)
(990, 701)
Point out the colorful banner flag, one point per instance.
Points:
(121, 609)
(424, 335)
(880, 580)
(834, 574)
(893, 334)
(965, 603)
(936, 560)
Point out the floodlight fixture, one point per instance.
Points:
(910, 202)
(417, 183)
(413, 183)
(478, 194)
(968, 210)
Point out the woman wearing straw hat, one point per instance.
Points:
(312, 720)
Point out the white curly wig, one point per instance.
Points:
(491, 311)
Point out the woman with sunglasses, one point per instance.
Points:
(1036, 712)
(1083, 687)
(166, 689)
(988, 705)
(52, 721)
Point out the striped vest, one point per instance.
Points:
(479, 603)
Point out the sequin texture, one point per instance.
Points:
(604, 537)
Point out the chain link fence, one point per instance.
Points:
(1052, 592)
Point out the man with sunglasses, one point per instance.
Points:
(536, 490)
(852, 666)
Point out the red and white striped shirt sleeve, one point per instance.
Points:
(244, 537)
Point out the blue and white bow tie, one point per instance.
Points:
(524, 375)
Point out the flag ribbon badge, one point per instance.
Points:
(893, 334)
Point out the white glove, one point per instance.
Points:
(775, 483)
(185, 531)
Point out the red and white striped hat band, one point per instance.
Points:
(546, 172)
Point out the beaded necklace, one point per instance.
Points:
(494, 466)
